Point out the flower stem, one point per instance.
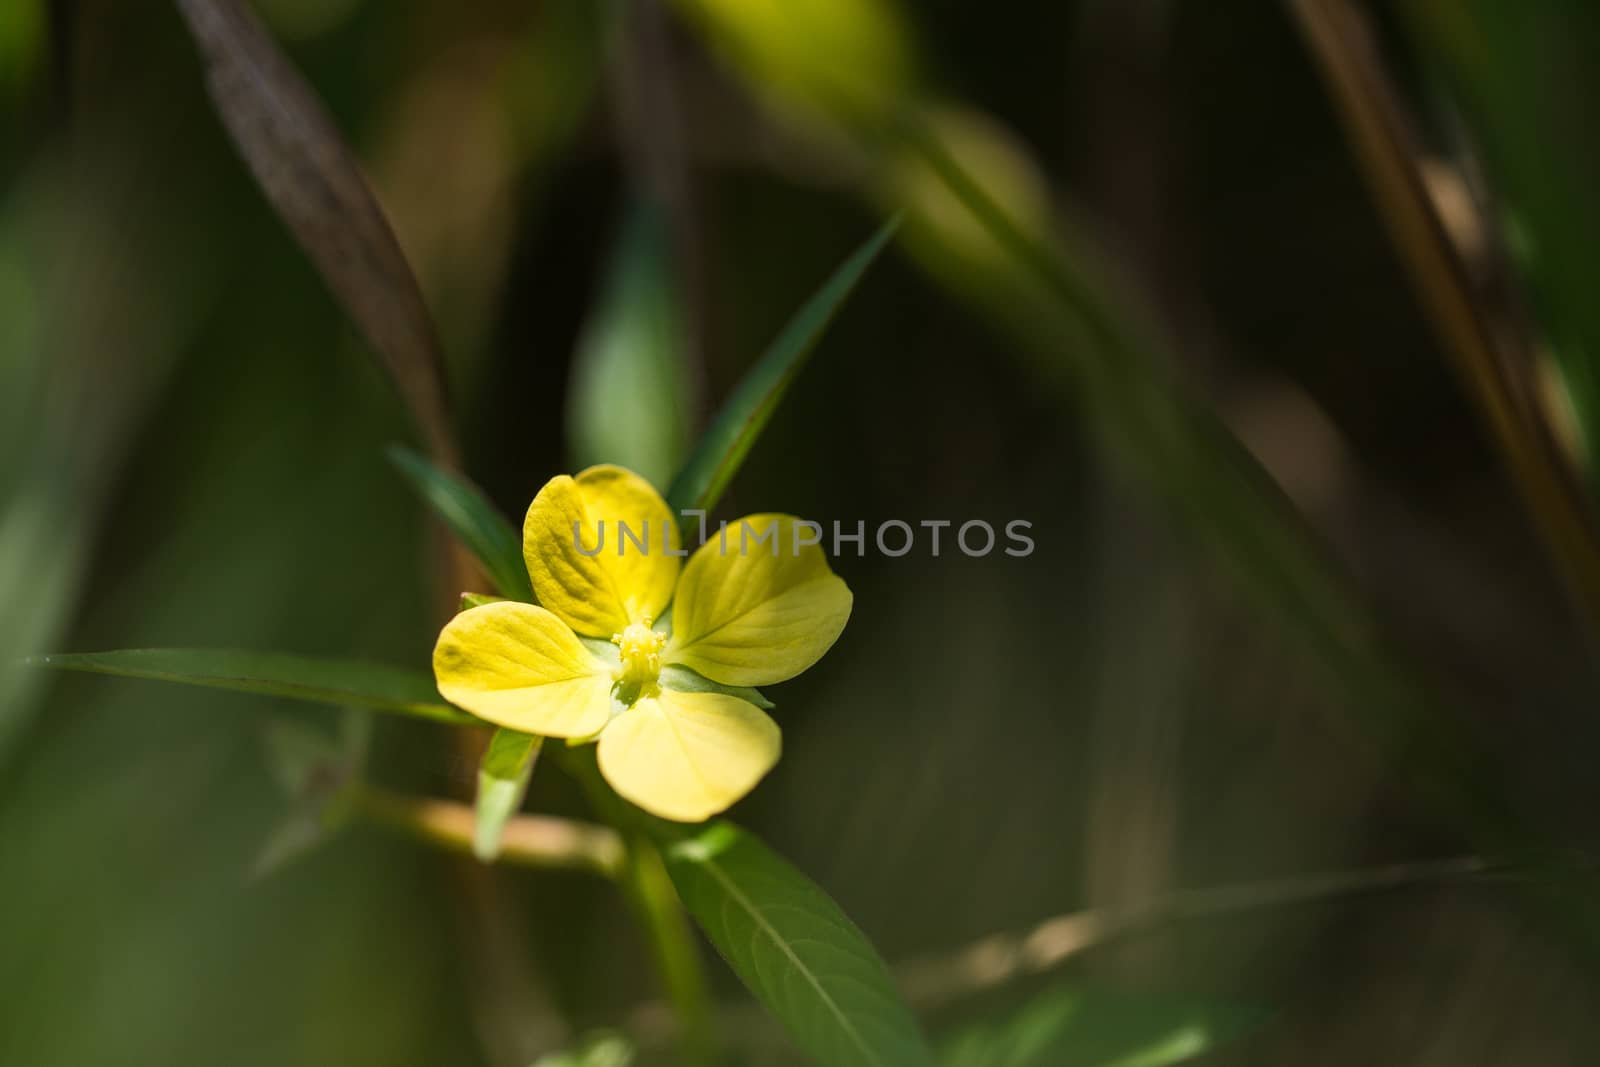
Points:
(528, 840)
(655, 903)
(677, 958)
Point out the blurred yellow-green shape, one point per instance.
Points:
(941, 230)
(842, 61)
(22, 42)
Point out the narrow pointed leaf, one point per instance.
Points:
(792, 946)
(502, 783)
(313, 181)
(1522, 75)
(722, 448)
(467, 512)
(323, 681)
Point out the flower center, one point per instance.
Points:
(640, 649)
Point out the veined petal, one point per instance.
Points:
(611, 580)
(755, 610)
(688, 756)
(517, 665)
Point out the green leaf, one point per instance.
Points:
(502, 783)
(474, 520)
(1065, 1026)
(795, 950)
(684, 680)
(324, 681)
(629, 395)
(722, 448)
(478, 600)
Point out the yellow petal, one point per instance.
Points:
(749, 615)
(687, 756)
(517, 665)
(600, 593)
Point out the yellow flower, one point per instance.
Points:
(626, 650)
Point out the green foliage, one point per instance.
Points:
(325, 681)
(1066, 1026)
(729, 438)
(502, 783)
(792, 946)
(629, 400)
(469, 515)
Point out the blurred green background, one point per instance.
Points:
(612, 208)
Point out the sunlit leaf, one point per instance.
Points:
(469, 515)
(829, 61)
(1066, 1026)
(722, 448)
(324, 681)
(502, 783)
(314, 182)
(795, 950)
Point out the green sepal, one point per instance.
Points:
(684, 680)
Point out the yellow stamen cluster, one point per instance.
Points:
(640, 648)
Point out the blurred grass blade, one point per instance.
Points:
(324, 681)
(502, 783)
(1084, 342)
(470, 516)
(1047, 288)
(722, 448)
(630, 394)
(1066, 1026)
(313, 181)
(1524, 76)
(1499, 379)
(807, 963)
(317, 773)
